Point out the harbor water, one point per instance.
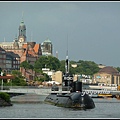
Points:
(104, 108)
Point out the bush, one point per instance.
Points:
(5, 96)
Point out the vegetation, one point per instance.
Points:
(118, 68)
(5, 96)
(83, 67)
(47, 62)
(26, 65)
(18, 80)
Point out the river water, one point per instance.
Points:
(104, 108)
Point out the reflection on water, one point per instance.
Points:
(105, 108)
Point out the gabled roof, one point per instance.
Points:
(36, 48)
(29, 50)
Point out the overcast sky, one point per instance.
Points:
(89, 30)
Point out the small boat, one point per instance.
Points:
(100, 86)
(71, 95)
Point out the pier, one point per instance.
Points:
(47, 90)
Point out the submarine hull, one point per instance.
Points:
(71, 100)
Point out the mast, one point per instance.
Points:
(67, 60)
(67, 78)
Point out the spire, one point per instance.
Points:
(22, 15)
(22, 21)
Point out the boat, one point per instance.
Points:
(71, 95)
(100, 86)
(100, 90)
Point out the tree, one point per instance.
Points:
(83, 67)
(47, 62)
(25, 65)
(18, 79)
(87, 67)
(118, 68)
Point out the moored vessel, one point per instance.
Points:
(71, 95)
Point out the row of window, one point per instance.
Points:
(2, 56)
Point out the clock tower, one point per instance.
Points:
(22, 32)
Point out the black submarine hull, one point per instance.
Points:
(71, 95)
(71, 100)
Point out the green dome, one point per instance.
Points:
(47, 41)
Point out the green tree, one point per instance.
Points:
(118, 68)
(87, 67)
(47, 62)
(18, 80)
(83, 67)
(25, 65)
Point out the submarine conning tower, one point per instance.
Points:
(68, 83)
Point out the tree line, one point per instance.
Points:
(53, 63)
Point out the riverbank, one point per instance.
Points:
(5, 100)
(3, 103)
(28, 98)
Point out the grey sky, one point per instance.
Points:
(91, 30)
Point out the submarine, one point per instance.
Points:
(71, 95)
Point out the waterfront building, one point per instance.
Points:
(12, 61)
(57, 76)
(107, 75)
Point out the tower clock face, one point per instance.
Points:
(21, 40)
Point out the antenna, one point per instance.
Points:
(67, 61)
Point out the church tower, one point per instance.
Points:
(22, 32)
(47, 47)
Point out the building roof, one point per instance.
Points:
(1, 49)
(36, 48)
(30, 50)
(109, 70)
(47, 41)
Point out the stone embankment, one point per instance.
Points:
(28, 98)
(3, 103)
